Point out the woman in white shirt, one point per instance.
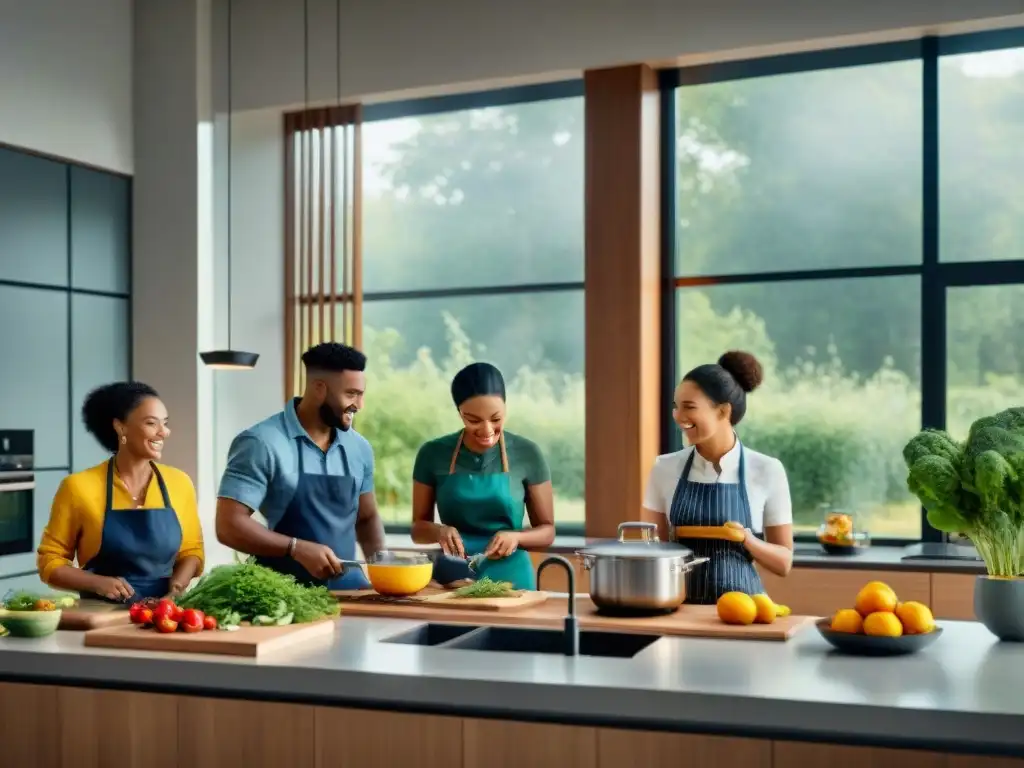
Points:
(715, 480)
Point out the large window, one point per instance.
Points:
(823, 211)
(472, 249)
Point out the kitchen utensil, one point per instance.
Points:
(30, 623)
(726, 532)
(396, 573)
(869, 645)
(645, 576)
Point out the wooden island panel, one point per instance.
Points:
(953, 596)
(100, 728)
(356, 737)
(617, 748)
(508, 744)
(216, 733)
(79, 728)
(791, 754)
(27, 723)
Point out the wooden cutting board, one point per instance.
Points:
(688, 621)
(252, 642)
(366, 602)
(93, 614)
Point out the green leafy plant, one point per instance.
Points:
(975, 487)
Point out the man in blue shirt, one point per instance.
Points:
(310, 475)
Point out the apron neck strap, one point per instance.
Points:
(501, 445)
(112, 468)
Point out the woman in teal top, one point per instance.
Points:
(481, 479)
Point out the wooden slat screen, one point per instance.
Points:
(323, 233)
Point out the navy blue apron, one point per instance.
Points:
(324, 509)
(730, 567)
(138, 545)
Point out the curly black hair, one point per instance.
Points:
(332, 357)
(109, 402)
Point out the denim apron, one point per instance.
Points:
(324, 510)
(479, 505)
(138, 545)
(729, 567)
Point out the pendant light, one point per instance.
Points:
(229, 359)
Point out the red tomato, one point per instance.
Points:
(176, 612)
(145, 617)
(209, 622)
(135, 612)
(166, 625)
(165, 609)
(190, 628)
(192, 618)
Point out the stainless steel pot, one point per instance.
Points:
(644, 575)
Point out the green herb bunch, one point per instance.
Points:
(245, 591)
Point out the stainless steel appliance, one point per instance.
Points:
(17, 491)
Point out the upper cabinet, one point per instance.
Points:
(100, 231)
(33, 219)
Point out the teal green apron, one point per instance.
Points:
(480, 505)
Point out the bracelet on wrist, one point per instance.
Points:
(291, 546)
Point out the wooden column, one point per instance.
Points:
(622, 292)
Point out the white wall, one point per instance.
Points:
(242, 398)
(66, 79)
(392, 46)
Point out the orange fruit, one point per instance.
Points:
(847, 620)
(737, 608)
(882, 624)
(916, 618)
(875, 597)
(766, 609)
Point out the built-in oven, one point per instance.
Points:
(17, 491)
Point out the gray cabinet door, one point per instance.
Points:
(34, 353)
(100, 231)
(100, 354)
(33, 219)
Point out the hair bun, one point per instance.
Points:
(744, 367)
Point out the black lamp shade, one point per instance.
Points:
(229, 359)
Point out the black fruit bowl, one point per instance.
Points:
(867, 645)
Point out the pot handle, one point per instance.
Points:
(689, 565)
(586, 561)
(650, 531)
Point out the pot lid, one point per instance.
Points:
(648, 550)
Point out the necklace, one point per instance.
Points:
(142, 488)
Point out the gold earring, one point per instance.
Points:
(124, 440)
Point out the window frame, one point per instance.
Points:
(935, 276)
(433, 105)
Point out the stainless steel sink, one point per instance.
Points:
(431, 634)
(615, 645)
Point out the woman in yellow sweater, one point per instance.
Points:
(131, 524)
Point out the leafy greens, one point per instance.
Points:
(247, 591)
(975, 487)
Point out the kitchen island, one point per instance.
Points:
(354, 699)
